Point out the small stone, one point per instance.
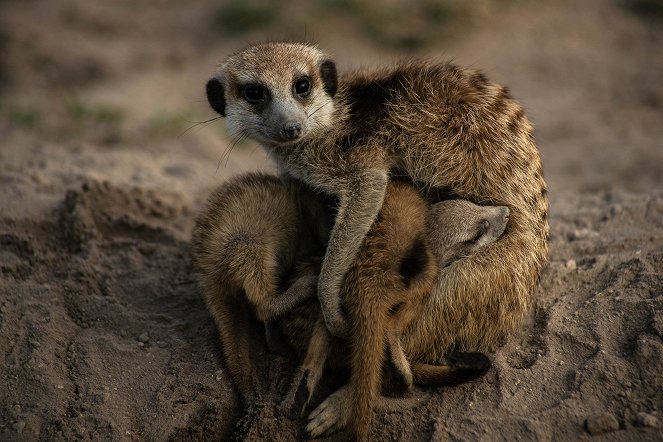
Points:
(571, 264)
(646, 420)
(144, 338)
(601, 423)
(19, 426)
(581, 234)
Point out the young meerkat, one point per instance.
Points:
(255, 229)
(446, 128)
(385, 289)
(247, 239)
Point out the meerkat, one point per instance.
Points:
(445, 128)
(246, 240)
(254, 229)
(455, 229)
(385, 288)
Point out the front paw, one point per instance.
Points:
(331, 415)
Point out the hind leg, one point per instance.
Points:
(308, 375)
(232, 318)
(399, 371)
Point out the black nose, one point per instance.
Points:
(292, 130)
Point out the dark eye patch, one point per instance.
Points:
(482, 229)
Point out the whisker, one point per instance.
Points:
(319, 107)
(198, 123)
(229, 150)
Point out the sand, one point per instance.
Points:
(103, 334)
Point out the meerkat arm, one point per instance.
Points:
(359, 206)
(300, 290)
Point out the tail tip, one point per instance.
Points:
(472, 364)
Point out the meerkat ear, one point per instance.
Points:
(329, 77)
(215, 96)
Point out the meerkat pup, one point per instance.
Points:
(391, 277)
(255, 229)
(444, 127)
(247, 239)
(384, 290)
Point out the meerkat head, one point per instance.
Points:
(275, 93)
(456, 228)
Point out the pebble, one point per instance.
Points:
(580, 234)
(601, 423)
(19, 426)
(571, 264)
(647, 420)
(144, 338)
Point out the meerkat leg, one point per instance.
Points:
(308, 375)
(233, 320)
(274, 306)
(399, 366)
(401, 377)
(303, 288)
(359, 207)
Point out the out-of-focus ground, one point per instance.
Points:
(102, 331)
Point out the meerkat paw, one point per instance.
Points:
(297, 398)
(331, 415)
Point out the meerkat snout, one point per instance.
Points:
(468, 227)
(292, 130)
(217, 101)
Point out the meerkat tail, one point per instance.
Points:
(368, 352)
(456, 368)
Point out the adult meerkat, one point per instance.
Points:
(444, 127)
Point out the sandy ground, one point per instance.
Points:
(103, 334)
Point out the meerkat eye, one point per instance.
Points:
(482, 229)
(254, 93)
(302, 87)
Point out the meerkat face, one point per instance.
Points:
(275, 93)
(458, 227)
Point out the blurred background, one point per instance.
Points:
(115, 90)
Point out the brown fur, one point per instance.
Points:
(245, 242)
(385, 288)
(445, 128)
(242, 247)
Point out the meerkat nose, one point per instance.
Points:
(292, 130)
